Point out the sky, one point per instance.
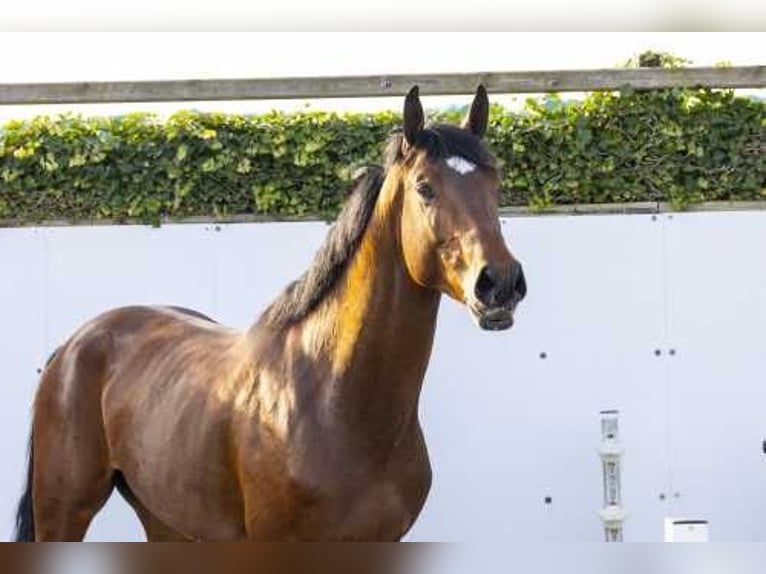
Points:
(496, 15)
(104, 56)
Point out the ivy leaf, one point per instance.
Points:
(679, 146)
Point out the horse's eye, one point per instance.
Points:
(425, 191)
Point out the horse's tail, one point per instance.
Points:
(25, 518)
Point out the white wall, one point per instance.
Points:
(505, 427)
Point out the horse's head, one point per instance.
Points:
(450, 231)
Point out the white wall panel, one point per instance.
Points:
(23, 333)
(254, 263)
(505, 427)
(716, 285)
(95, 269)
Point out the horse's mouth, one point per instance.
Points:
(495, 319)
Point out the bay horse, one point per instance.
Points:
(305, 426)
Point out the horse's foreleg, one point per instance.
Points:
(155, 530)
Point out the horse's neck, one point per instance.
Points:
(375, 333)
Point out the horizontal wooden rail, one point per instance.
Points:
(379, 86)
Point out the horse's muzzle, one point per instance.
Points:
(497, 319)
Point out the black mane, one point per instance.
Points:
(303, 295)
(342, 241)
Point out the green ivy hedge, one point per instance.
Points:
(679, 146)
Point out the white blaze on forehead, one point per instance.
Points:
(460, 164)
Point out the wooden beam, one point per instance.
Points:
(379, 86)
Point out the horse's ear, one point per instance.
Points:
(413, 116)
(477, 119)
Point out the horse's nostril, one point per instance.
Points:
(498, 288)
(485, 286)
(520, 284)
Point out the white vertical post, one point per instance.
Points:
(610, 451)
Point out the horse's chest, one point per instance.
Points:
(378, 505)
(368, 506)
(382, 511)
(324, 491)
(378, 510)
